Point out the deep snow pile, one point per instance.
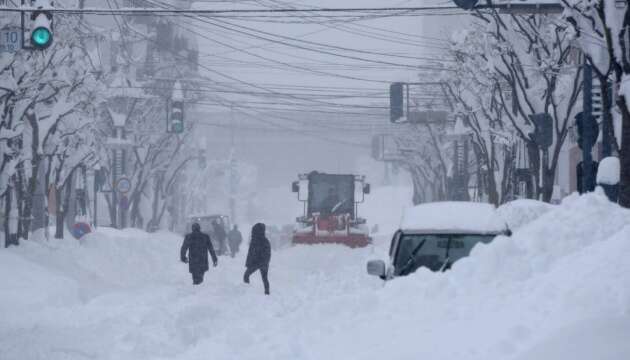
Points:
(521, 212)
(559, 288)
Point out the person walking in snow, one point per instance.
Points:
(235, 238)
(258, 256)
(195, 251)
(220, 234)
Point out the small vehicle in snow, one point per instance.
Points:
(436, 235)
(331, 209)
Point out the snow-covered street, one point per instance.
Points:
(560, 285)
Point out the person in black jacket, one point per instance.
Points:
(258, 256)
(234, 238)
(220, 236)
(197, 245)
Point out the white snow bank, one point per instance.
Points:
(559, 288)
(453, 215)
(523, 211)
(601, 339)
(608, 172)
(569, 266)
(25, 284)
(67, 271)
(130, 257)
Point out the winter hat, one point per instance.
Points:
(258, 230)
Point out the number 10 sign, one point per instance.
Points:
(10, 40)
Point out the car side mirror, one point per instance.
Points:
(508, 232)
(376, 268)
(295, 187)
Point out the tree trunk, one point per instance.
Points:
(20, 199)
(491, 181)
(493, 194)
(418, 191)
(547, 178)
(624, 155)
(28, 200)
(624, 104)
(60, 214)
(63, 207)
(533, 189)
(7, 217)
(507, 183)
(158, 182)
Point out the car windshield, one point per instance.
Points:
(432, 250)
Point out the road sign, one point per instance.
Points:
(10, 39)
(123, 185)
(124, 202)
(79, 229)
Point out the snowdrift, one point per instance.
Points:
(521, 212)
(559, 288)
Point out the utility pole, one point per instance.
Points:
(587, 156)
(588, 130)
(118, 171)
(233, 174)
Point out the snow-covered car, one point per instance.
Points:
(436, 235)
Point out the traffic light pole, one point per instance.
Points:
(95, 220)
(607, 131)
(587, 157)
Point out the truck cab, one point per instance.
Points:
(331, 213)
(436, 235)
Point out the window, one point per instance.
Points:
(433, 250)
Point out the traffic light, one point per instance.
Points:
(42, 26)
(543, 129)
(177, 117)
(396, 101)
(587, 131)
(466, 4)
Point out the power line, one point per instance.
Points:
(246, 31)
(162, 11)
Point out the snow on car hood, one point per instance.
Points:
(453, 216)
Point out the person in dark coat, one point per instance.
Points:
(197, 245)
(258, 256)
(221, 236)
(235, 239)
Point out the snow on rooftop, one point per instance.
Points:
(453, 216)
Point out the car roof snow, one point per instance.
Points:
(453, 217)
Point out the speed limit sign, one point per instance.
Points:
(123, 185)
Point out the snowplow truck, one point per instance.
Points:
(330, 209)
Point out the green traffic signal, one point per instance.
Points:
(41, 37)
(178, 127)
